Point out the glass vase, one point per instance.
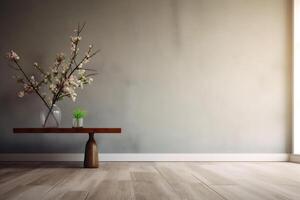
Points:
(50, 119)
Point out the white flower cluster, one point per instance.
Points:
(64, 77)
(74, 44)
(12, 56)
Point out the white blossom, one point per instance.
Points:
(21, 94)
(73, 97)
(73, 46)
(73, 81)
(11, 55)
(81, 72)
(67, 89)
(45, 80)
(54, 70)
(27, 87)
(87, 55)
(89, 80)
(86, 60)
(52, 87)
(75, 39)
(65, 68)
(60, 57)
(56, 80)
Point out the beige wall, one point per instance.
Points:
(176, 75)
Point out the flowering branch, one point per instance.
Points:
(63, 78)
(29, 81)
(56, 97)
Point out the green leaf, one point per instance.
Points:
(79, 113)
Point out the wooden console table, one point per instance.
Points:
(91, 150)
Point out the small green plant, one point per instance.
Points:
(79, 113)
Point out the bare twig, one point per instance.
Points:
(93, 74)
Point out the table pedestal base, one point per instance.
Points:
(91, 153)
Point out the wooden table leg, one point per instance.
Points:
(91, 153)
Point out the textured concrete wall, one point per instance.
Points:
(178, 76)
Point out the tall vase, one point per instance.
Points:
(50, 119)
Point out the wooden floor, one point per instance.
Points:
(151, 180)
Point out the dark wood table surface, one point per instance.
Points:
(67, 130)
(91, 159)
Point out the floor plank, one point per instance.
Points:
(81, 181)
(151, 180)
(116, 184)
(185, 184)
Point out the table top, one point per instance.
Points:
(67, 130)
